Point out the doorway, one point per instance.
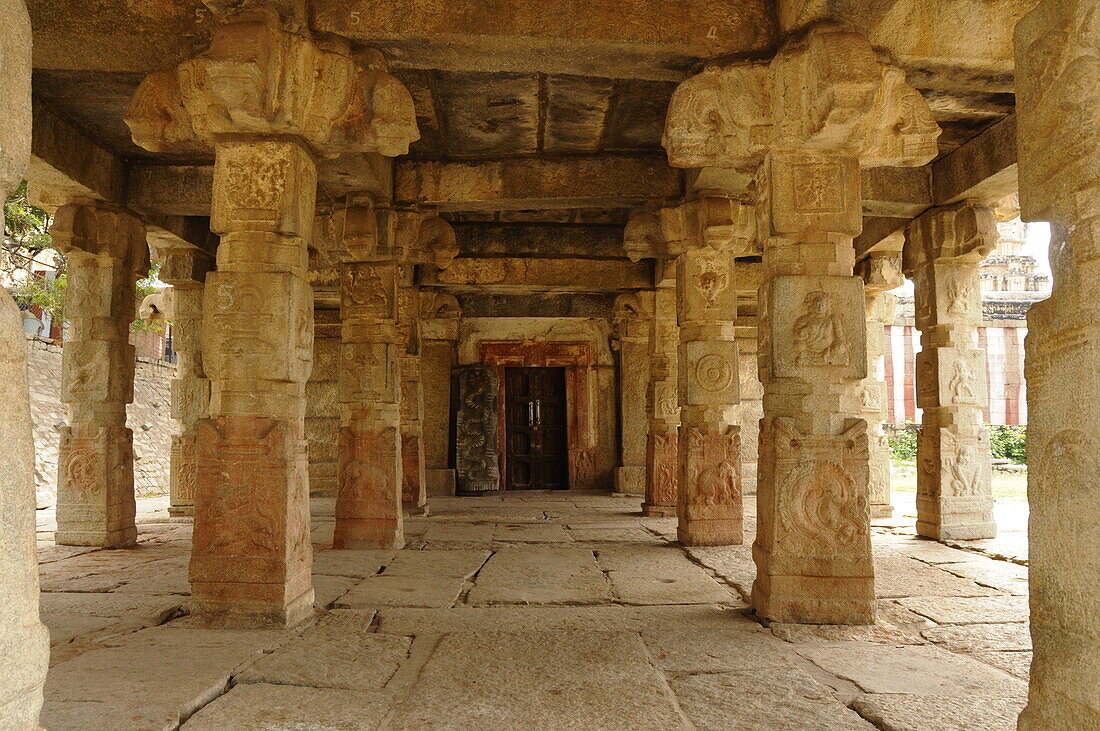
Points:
(535, 421)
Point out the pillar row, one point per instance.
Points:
(881, 271)
(106, 255)
(414, 482)
(662, 455)
(632, 316)
(954, 476)
(186, 270)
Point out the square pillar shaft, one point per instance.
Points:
(662, 456)
(633, 315)
(414, 482)
(813, 545)
(251, 557)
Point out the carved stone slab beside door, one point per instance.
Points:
(476, 457)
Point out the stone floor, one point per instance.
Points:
(539, 611)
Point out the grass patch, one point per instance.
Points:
(1006, 486)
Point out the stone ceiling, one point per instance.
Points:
(538, 79)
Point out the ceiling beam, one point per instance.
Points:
(504, 275)
(982, 170)
(67, 164)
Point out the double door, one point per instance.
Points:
(535, 421)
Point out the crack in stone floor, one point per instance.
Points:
(496, 617)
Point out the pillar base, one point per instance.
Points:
(123, 538)
(231, 613)
(813, 599)
(368, 536)
(711, 533)
(181, 511)
(630, 480)
(881, 512)
(967, 532)
(658, 511)
(955, 519)
(416, 511)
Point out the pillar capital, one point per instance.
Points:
(266, 77)
(717, 220)
(631, 315)
(881, 272)
(100, 230)
(962, 233)
(642, 237)
(824, 90)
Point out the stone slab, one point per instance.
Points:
(1013, 663)
(111, 605)
(541, 575)
(416, 579)
(733, 564)
(271, 707)
(903, 712)
(612, 535)
(981, 637)
(659, 574)
(327, 589)
(531, 533)
(785, 699)
(360, 564)
(740, 646)
(1003, 575)
(521, 618)
(901, 576)
(969, 610)
(150, 679)
(930, 551)
(539, 680)
(470, 533)
(838, 634)
(340, 651)
(920, 670)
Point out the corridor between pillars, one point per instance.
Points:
(803, 126)
(106, 255)
(954, 477)
(1057, 68)
(251, 558)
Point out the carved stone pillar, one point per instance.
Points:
(107, 254)
(251, 555)
(633, 313)
(368, 499)
(662, 452)
(186, 270)
(822, 109)
(709, 232)
(751, 399)
(25, 649)
(881, 271)
(1057, 66)
(954, 476)
(440, 315)
(414, 482)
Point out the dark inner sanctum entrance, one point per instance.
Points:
(536, 431)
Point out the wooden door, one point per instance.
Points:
(535, 420)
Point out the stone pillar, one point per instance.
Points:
(954, 477)
(824, 108)
(414, 481)
(662, 452)
(1057, 51)
(751, 397)
(440, 315)
(251, 555)
(633, 313)
(710, 232)
(186, 270)
(107, 254)
(25, 649)
(368, 500)
(881, 271)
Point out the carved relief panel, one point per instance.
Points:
(817, 326)
(709, 370)
(476, 447)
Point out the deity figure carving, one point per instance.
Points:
(965, 476)
(819, 338)
(962, 378)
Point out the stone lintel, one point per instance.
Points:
(593, 181)
(167, 233)
(66, 164)
(896, 192)
(878, 233)
(644, 40)
(982, 170)
(171, 190)
(508, 274)
(549, 240)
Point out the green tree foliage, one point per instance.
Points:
(1009, 442)
(903, 443)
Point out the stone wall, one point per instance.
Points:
(149, 416)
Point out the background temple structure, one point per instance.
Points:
(426, 251)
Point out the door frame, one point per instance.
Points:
(561, 378)
(578, 359)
